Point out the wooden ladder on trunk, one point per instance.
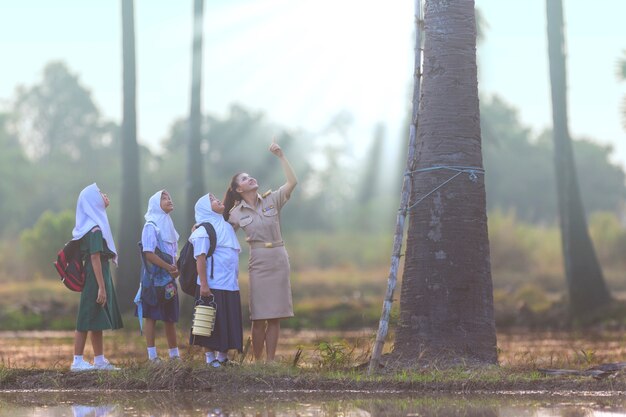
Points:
(383, 325)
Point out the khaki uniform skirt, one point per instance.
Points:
(270, 287)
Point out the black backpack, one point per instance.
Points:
(186, 263)
(70, 266)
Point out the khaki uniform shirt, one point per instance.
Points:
(263, 223)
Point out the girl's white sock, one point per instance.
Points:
(210, 357)
(99, 360)
(174, 353)
(78, 358)
(222, 356)
(152, 353)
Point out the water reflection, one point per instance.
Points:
(79, 410)
(200, 404)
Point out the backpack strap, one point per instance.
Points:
(210, 230)
(160, 246)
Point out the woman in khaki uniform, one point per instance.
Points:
(259, 217)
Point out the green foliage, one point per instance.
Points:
(18, 320)
(11, 265)
(532, 297)
(64, 145)
(332, 225)
(322, 250)
(54, 131)
(13, 166)
(334, 355)
(58, 117)
(41, 243)
(527, 266)
(335, 313)
(239, 142)
(609, 239)
(601, 181)
(521, 252)
(586, 357)
(520, 169)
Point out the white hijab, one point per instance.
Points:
(91, 212)
(163, 221)
(226, 236)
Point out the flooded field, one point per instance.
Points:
(359, 404)
(53, 349)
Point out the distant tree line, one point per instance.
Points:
(54, 141)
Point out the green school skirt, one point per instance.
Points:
(91, 315)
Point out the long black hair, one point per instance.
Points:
(232, 196)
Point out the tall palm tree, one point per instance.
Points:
(195, 174)
(369, 181)
(130, 218)
(446, 302)
(587, 289)
(621, 74)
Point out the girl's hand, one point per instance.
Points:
(102, 296)
(173, 271)
(205, 291)
(275, 148)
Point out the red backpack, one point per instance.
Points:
(70, 266)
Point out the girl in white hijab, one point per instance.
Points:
(159, 232)
(222, 284)
(98, 308)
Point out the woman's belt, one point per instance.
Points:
(257, 244)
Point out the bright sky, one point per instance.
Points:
(304, 61)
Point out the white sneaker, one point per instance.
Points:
(81, 366)
(106, 366)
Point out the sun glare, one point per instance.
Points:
(311, 57)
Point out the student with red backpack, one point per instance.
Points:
(98, 309)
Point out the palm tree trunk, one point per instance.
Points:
(195, 173)
(446, 301)
(587, 289)
(130, 227)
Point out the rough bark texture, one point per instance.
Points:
(446, 304)
(130, 218)
(195, 173)
(587, 289)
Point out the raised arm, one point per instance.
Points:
(292, 180)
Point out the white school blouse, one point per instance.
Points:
(225, 265)
(149, 241)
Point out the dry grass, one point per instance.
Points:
(561, 349)
(54, 349)
(319, 349)
(311, 361)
